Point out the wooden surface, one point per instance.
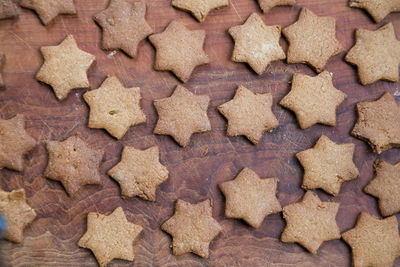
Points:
(195, 171)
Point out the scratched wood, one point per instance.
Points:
(195, 171)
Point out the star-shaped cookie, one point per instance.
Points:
(14, 143)
(376, 55)
(73, 163)
(179, 50)
(310, 222)
(2, 62)
(65, 67)
(378, 123)
(47, 10)
(312, 40)
(249, 114)
(192, 228)
(182, 114)
(374, 242)
(8, 9)
(327, 165)
(256, 43)
(266, 5)
(114, 107)
(199, 8)
(17, 214)
(386, 187)
(124, 26)
(139, 172)
(313, 99)
(110, 237)
(378, 9)
(250, 198)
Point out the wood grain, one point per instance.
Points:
(195, 171)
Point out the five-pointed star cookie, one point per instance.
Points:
(114, 107)
(374, 242)
(256, 43)
(310, 222)
(8, 9)
(73, 163)
(47, 10)
(65, 67)
(378, 123)
(110, 237)
(249, 114)
(250, 198)
(124, 26)
(14, 143)
(312, 40)
(376, 55)
(378, 9)
(2, 61)
(139, 172)
(266, 5)
(182, 114)
(313, 99)
(192, 228)
(199, 8)
(17, 213)
(179, 50)
(386, 187)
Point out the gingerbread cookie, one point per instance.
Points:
(199, 8)
(256, 43)
(2, 62)
(378, 9)
(266, 5)
(47, 10)
(8, 9)
(179, 50)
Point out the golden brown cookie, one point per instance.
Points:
(17, 214)
(182, 114)
(376, 55)
(249, 114)
(312, 40)
(378, 123)
(65, 67)
(124, 26)
(267, 5)
(47, 10)
(114, 107)
(73, 163)
(179, 50)
(313, 99)
(192, 228)
(14, 143)
(2, 62)
(199, 8)
(110, 236)
(8, 9)
(139, 172)
(250, 198)
(374, 242)
(310, 222)
(378, 9)
(256, 43)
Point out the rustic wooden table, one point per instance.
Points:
(195, 171)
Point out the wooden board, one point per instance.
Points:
(195, 171)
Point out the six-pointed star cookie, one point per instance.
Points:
(376, 55)
(47, 10)
(8, 9)
(182, 114)
(179, 50)
(374, 242)
(139, 172)
(114, 107)
(2, 61)
(14, 143)
(110, 237)
(312, 40)
(250, 198)
(256, 43)
(378, 123)
(73, 163)
(192, 228)
(65, 67)
(17, 213)
(249, 114)
(310, 222)
(199, 8)
(313, 99)
(266, 5)
(378, 9)
(124, 26)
